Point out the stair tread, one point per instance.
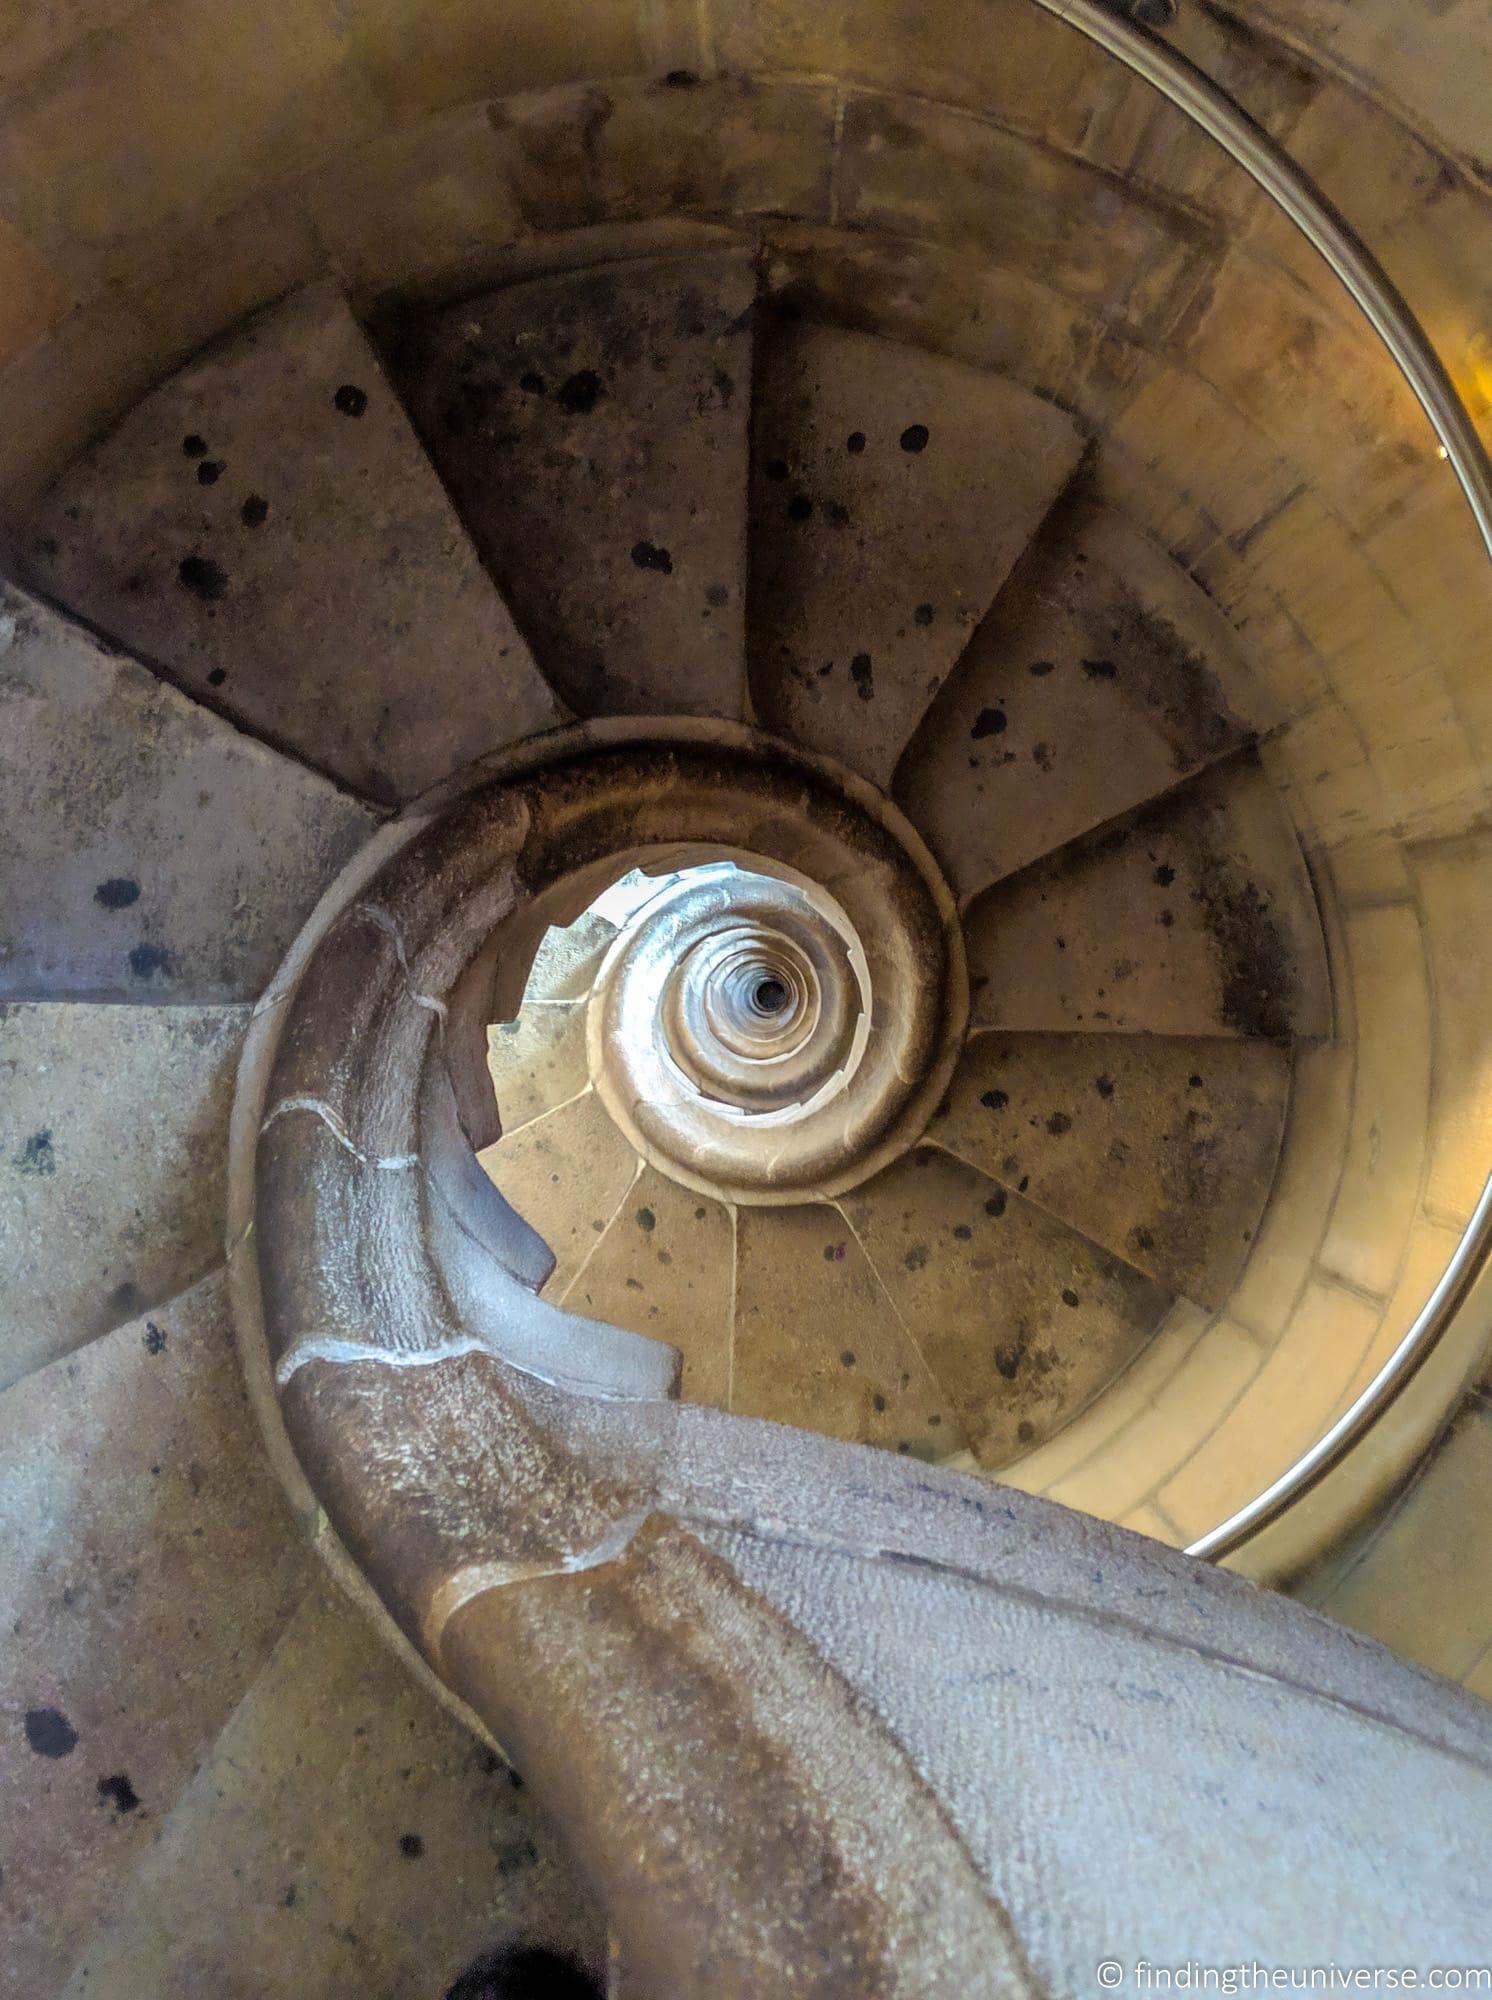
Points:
(1022, 1320)
(592, 427)
(266, 527)
(1194, 916)
(1160, 1149)
(664, 1268)
(1101, 675)
(566, 1174)
(346, 1835)
(818, 1343)
(892, 492)
(569, 957)
(154, 852)
(537, 1062)
(149, 1562)
(114, 1136)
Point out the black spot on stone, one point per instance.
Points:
(117, 1791)
(1142, 1238)
(878, 1401)
(37, 1156)
(154, 1337)
(531, 384)
(962, 1231)
(799, 507)
(1166, 919)
(1100, 670)
(847, 1359)
(1164, 876)
(923, 614)
(718, 595)
(210, 471)
(916, 1257)
(995, 1100)
(1043, 756)
(997, 1203)
(255, 511)
(217, 676)
(203, 577)
(646, 1219)
(1070, 1297)
(1058, 1123)
(49, 1732)
(863, 676)
(411, 1846)
(351, 400)
(1104, 1085)
(989, 722)
(126, 1299)
(855, 442)
(681, 79)
(1041, 668)
(117, 893)
(525, 1972)
(776, 468)
(647, 555)
(580, 394)
(914, 437)
(1194, 1082)
(194, 446)
(1025, 1430)
(147, 961)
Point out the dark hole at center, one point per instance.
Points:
(770, 996)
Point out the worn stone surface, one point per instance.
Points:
(375, 1845)
(1100, 677)
(566, 1174)
(592, 428)
(113, 1144)
(537, 1062)
(892, 493)
(666, 1268)
(818, 1343)
(147, 1562)
(152, 851)
(569, 957)
(1195, 916)
(266, 528)
(1162, 1149)
(1021, 1319)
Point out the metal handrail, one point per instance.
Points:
(1246, 142)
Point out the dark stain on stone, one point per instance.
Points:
(838, 514)
(799, 508)
(833, 1253)
(1164, 876)
(1259, 980)
(1194, 1082)
(149, 961)
(847, 1359)
(1070, 1297)
(1008, 1358)
(126, 1299)
(1058, 1123)
(1104, 1085)
(36, 1156)
(203, 578)
(914, 438)
(1025, 1430)
(1043, 756)
(287, 1901)
(1142, 1237)
(863, 676)
(963, 1232)
(194, 446)
(647, 555)
(681, 79)
(411, 1846)
(531, 384)
(154, 1338)
(995, 1100)
(916, 1257)
(49, 1732)
(579, 395)
(351, 400)
(117, 893)
(997, 1203)
(776, 468)
(646, 1220)
(525, 1972)
(1041, 668)
(878, 1401)
(255, 511)
(1100, 670)
(855, 442)
(989, 722)
(117, 1791)
(210, 471)
(923, 614)
(217, 676)
(718, 595)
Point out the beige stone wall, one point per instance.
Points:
(971, 175)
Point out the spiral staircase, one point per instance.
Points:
(846, 854)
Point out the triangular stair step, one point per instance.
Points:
(593, 429)
(566, 1174)
(1194, 916)
(892, 493)
(265, 528)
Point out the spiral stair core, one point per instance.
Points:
(916, 1013)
